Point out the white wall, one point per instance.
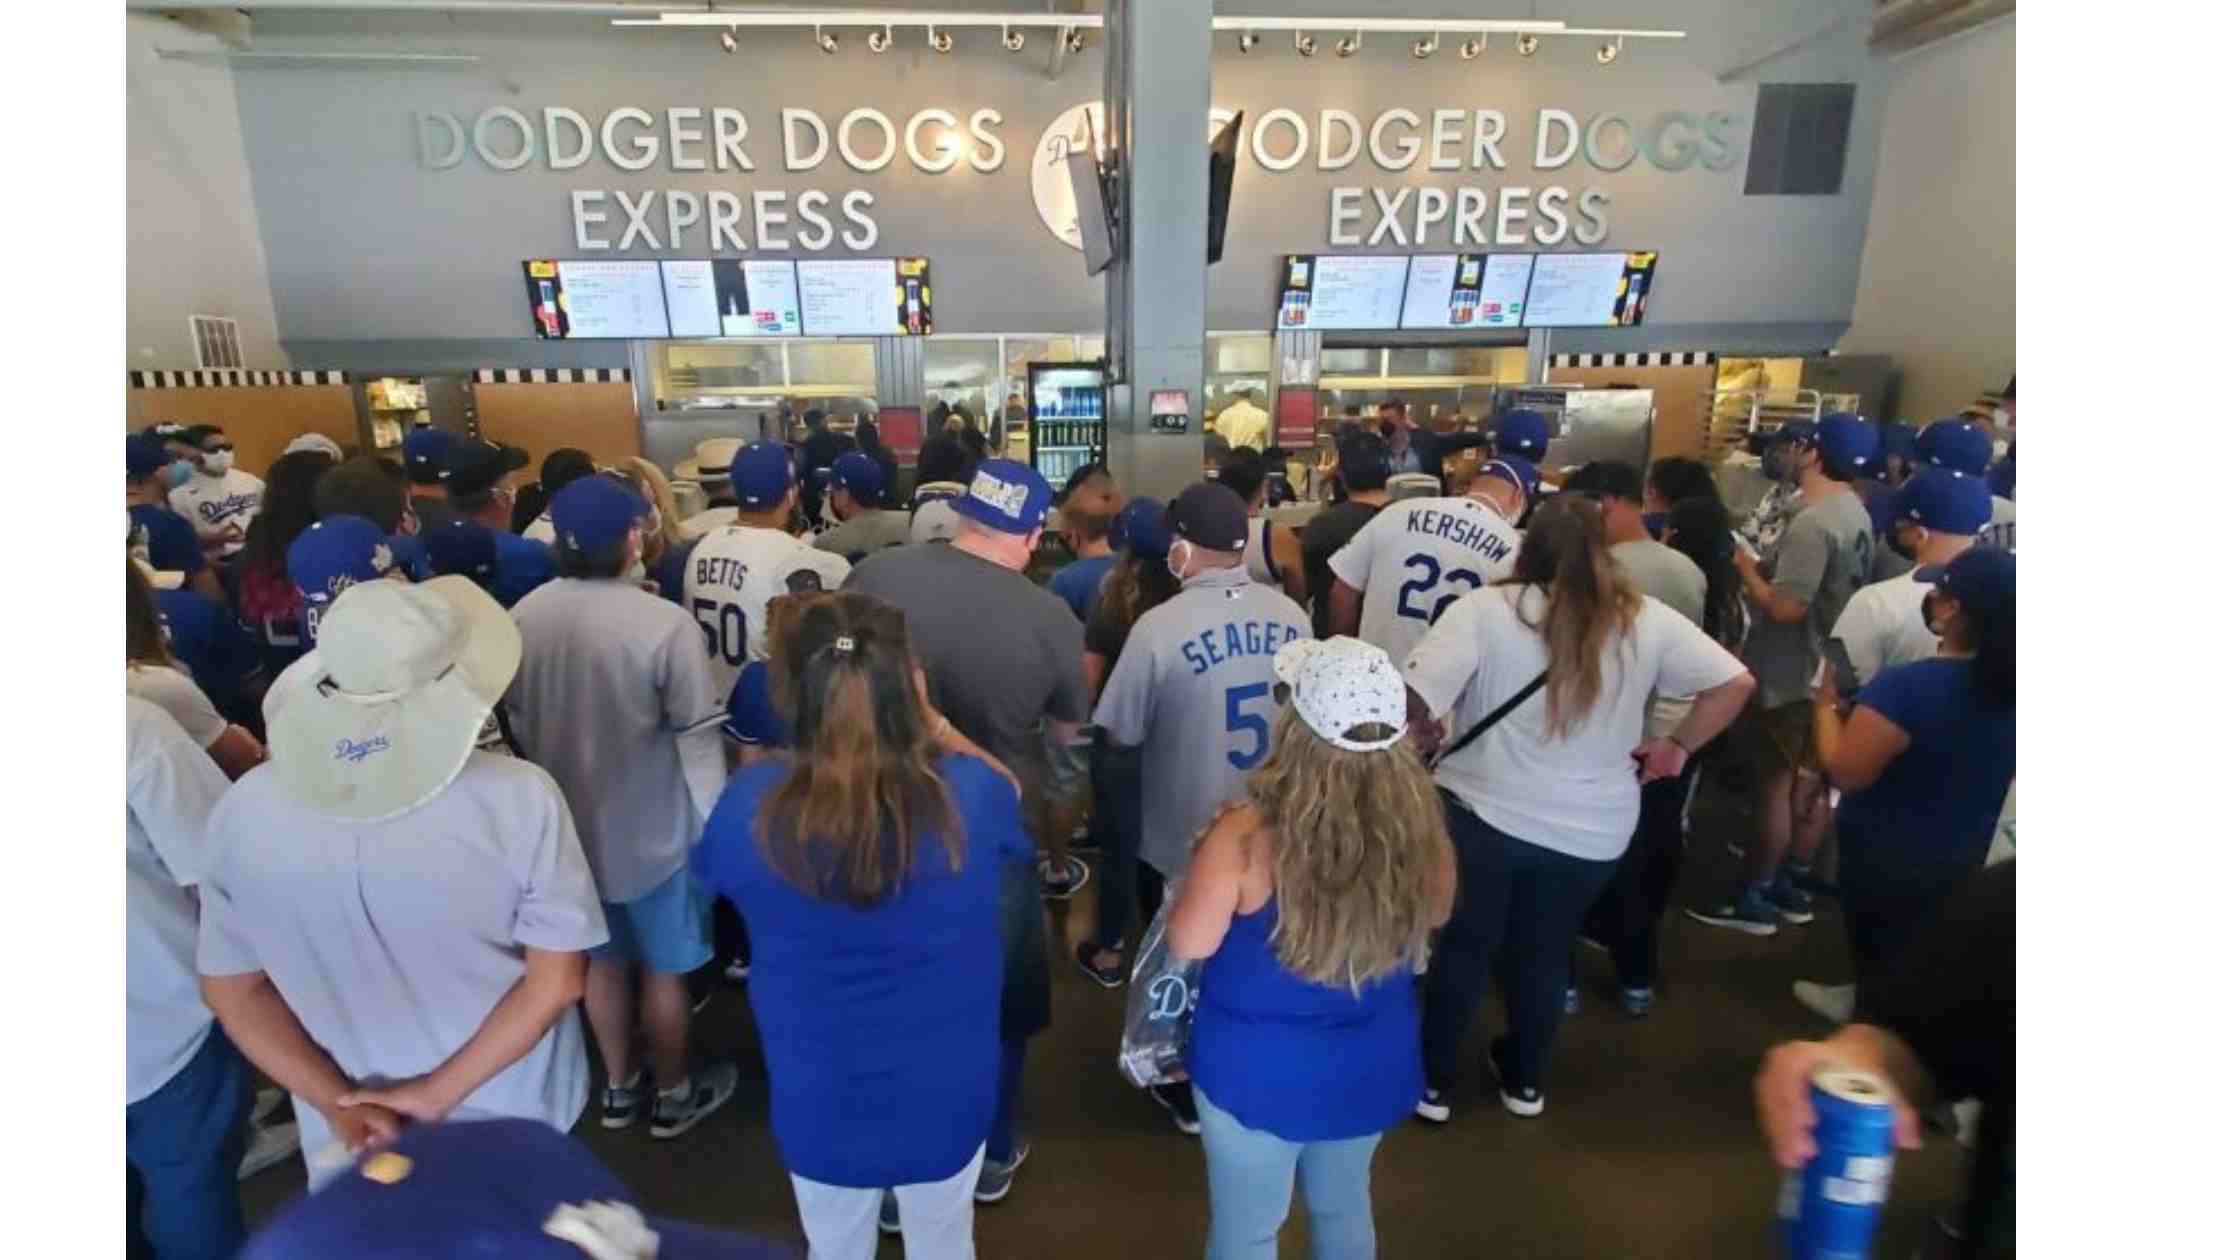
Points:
(1936, 286)
(191, 240)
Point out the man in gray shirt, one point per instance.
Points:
(858, 488)
(616, 699)
(1796, 593)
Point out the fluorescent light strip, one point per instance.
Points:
(1092, 21)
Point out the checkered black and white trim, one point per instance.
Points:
(550, 376)
(209, 378)
(1668, 358)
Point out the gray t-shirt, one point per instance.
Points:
(866, 532)
(392, 941)
(170, 787)
(616, 699)
(1661, 573)
(1824, 555)
(1000, 653)
(1194, 689)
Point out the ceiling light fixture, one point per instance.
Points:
(827, 42)
(1074, 39)
(1426, 46)
(939, 40)
(1247, 40)
(729, 41)
(1609, 51)
(1472, 47)
(1349, 45)
(1303, 42)
(1527, 44)
(1014, 40)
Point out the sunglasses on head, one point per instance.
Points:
(215, 448)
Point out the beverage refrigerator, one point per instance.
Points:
(1065, 411)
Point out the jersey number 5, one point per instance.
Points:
(1239, 720)
(726, 633)
(1428, 576)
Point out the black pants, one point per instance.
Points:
(1630, 912)
(1887, 903)
(1128, 892)
(1522, 904)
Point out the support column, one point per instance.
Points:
(1158, 87)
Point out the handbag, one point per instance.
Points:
(1162, 995)
(1485, 723)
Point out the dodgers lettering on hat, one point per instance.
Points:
(336, 554)
(1005, 496)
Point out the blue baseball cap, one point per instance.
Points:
(425, 450)
(861, 476)
(1955, 444)
(336, 554)
(1141, 528)
(1899, 439)
(761, 473)
(1522, 432)
(1981, 578)
(1006, 496)
(477, 1188)
(464, 547)
(591, 514)
(1846, 441)
(1945, 502)
(144, 456)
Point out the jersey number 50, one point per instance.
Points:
(727, 633)
(1428, 576)
(1253, 723)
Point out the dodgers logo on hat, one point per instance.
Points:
(1006, 496)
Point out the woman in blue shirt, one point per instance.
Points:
(1924, 758)
(868, 868)
(1313, 902)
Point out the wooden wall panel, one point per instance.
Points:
(261, 419)
(599, 417)
(1679, 393)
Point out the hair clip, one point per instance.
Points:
(843, 645)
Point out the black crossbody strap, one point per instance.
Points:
(1486, 723)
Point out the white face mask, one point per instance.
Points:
(1174, 569)
(217, 463)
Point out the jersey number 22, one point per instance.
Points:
(1428, 576)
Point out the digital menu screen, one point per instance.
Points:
(866, 297)
(581, 300)
(1466, 291)
(1590, 290)
(1341, 291)
(732, 297)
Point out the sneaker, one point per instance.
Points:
(618, 1107)
(736, 971)
(1636, 1002)
(1790, 902)
(1598, 946)
(995, 1180)
(268, 1145)
(1571, 999)
(1433, 1106)
(1817, 886)
(1063, 877)
(1107, 976)
(1521, 1100)
(890, 1213)
(1831, 1002)
(1181, 1105)
(710, 1088)
(1750, 912)
(1083, 841)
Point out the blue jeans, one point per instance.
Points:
(184, 1144)
(1249, 1175)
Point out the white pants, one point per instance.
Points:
(843, 1222)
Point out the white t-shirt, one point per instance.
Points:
(393, 940)
(729, 582)
(219, 508)
(541, 530)
(2000, 531)
(1413, 560)
(176, 694)
(1578, 794)
(170, 787)
(1881, 626)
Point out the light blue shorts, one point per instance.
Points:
(666, 930)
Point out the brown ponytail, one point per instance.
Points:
(1589, 600)
(844, 823)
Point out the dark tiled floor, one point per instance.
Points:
(1648, 1147)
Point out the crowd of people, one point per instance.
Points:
(421, 762)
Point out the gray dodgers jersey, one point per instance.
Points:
(1195, 688)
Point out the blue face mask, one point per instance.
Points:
(177, 473)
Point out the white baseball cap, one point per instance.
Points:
(394, 696)
(316, 442)
(1340, 683)
(710, 460)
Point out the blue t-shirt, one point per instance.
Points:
(879, 1026)
(1306, 1062)
(1938, 803)
(214, 646)
(1077, 583)
(749, 719)
(524, 564)
(172, 546)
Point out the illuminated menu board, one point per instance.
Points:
(1341, 292)
(732, 297)
(1461, 291)
(866, 297)
(1590, 290)
(582, 300)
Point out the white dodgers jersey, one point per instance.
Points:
(1260, 552)
(734, 573)
(1415, 558)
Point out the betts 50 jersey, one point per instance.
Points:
(733, 574)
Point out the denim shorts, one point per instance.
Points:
(666, 930)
